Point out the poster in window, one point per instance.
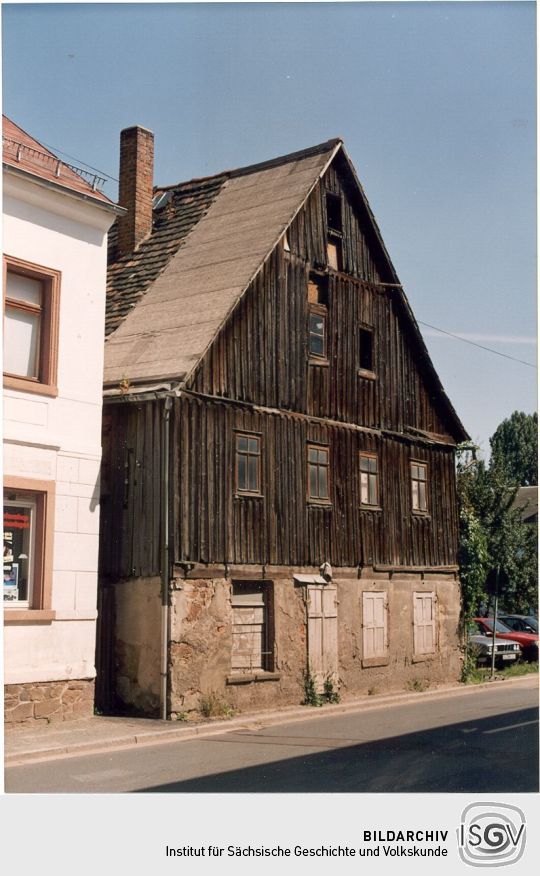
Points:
(11, 582)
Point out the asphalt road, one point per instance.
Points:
(484, 741)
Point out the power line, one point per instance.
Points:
(480, 346)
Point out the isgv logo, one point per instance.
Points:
(491, 834)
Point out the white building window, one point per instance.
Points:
(28, 543)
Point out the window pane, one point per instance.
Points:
(253, 471)
(241, 469)
(422, 496)
(18, 523)
(242, 442)
(323, 457)
(373, 490)
(313, 454)
(414, 471)
(415, 494)
(364, 489)
(253, 445)
(24, 289)
(316, 345)
(421, 472)
(316, 324)
(323, 482)
(21, 342)
(366, 349)
(313, 486)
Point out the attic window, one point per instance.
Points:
(366, 350)
(333, 213)
(161, 200)
(318, 289)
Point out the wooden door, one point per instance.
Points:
(322, 632)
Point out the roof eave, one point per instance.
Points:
(37, 180)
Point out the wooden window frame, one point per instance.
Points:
(39, 609)
(239, 675)
(317, 500)
(335, 198)
(46, 381)
(240, 493)
(422, 512)
(369, 373)
(321, 311)
(370, 506)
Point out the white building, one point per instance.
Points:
(54, 239)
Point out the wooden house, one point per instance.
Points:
(278, 489)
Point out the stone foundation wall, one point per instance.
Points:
(200, 641)
(48, 701)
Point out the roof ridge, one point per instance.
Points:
(260, 165)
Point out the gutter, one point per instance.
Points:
(107, 206)
(165, 559)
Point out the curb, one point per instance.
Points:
(254, 721)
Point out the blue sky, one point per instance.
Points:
(435, 102)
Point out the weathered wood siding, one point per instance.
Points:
(212, 525)
(261, 354)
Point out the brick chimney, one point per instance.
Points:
(136, 183)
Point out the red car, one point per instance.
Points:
(528, 641)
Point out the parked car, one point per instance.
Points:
(527, 641)
(505, 652)
(520, 623)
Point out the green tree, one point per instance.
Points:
(493, 534)
(514, 448)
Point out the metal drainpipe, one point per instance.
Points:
(165, 558)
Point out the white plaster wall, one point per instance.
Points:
(59, 439)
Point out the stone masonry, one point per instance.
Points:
(46, 702)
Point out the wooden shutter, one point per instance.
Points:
(322, 632)
(424, 623)
(375, 624)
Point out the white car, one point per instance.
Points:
(505, 651)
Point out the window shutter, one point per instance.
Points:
(424, 623)
(375, 624)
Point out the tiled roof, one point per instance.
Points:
(21, 151)
(191, 271)
(130, 276)
(526, 502)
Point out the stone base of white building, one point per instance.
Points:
(46, 702)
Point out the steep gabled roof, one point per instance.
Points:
(210, 263)
(168, 300)
(25, 154)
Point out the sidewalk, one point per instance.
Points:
(100, 733)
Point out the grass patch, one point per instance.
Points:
(418, 684)
(483, 674)
(214, 706)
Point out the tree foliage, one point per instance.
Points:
(514, 448)
(492, 532)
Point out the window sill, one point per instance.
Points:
(370, 508)
(425, 514)
(253, 677)
(323, 363)
(249, 496)
(367, 375)
(313, 503)
(375, 661)
(423, 658)
(28, 616)
(34, 386)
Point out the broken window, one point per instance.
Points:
(317, 332)
(248, 464)
(251, 641)
(318, 470)
(366, 349)
(419, 486)
(334, 227)
(333, 213)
